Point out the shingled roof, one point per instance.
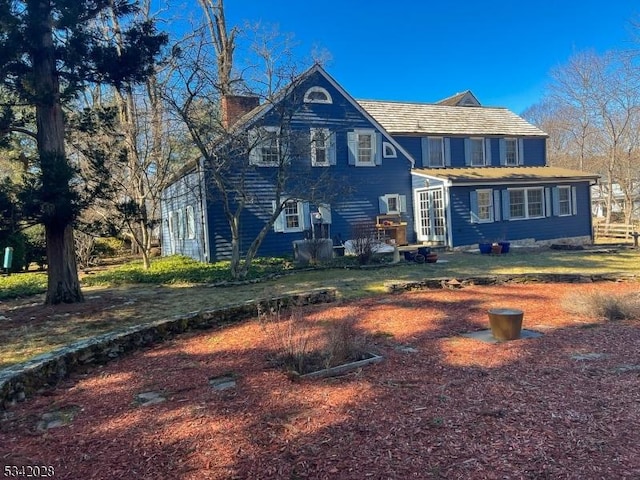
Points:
(429, 119)
(504, 174)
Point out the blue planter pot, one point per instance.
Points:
(505, 246)
(485, 248)
(424, 251)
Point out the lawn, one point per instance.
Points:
(126, 295)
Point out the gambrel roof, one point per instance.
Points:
(428, 119)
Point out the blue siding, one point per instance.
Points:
(183, 193)
(552, 227)
(534, 150)
(361, 185)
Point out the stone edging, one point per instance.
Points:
(434, 283)
(19, 381)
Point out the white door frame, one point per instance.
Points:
(430, 215)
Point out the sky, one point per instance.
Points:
(424, 51)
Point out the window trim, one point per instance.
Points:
(256, 142)
(328, 147)
(516, 143)
(442, 154)
(391, 153)
(569, 200)
(483, 142)
(491, 206)
(526, 191)
(316, 89)
(372, 134)
(190, 223)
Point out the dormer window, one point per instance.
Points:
(317, 95)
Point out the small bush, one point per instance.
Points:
(364, 241)
(609, 307)
(304, 346)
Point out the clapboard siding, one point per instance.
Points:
(185, 192)
(548, 228)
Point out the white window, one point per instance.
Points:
(436, 151)
(512, 153)
(477, 152)
(317, 95)
(366, 148)
(526, 203)
(191, 223)
(363, 149)
(388, 150)
(485, 206)
(393, 203)
(564, 201)
(291, 218)
(265, 147)
(322, 147)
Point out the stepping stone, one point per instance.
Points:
(149, 398)
(487, 337)
(57, 418)
(223, 382)
(588, 356)
(406, 349)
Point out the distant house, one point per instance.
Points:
(450, 174)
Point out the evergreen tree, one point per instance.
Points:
(49, 51)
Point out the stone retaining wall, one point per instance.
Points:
(19, 381)
(429, 283)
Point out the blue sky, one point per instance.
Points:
(423, 50)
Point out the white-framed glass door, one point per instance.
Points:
(431, 220)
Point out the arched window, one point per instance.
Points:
(388, 150)
(317, 95)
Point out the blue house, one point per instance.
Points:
(341, 169)
(449, 174)
(480, 175)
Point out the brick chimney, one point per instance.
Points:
(235, 106)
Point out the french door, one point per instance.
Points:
(431, 218)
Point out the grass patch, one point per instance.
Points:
(22, 285)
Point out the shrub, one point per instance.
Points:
(606, 306)
(364, 241)
(301, 345)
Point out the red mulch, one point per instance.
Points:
(455, 409)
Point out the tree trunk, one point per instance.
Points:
(57, 197)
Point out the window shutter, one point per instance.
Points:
(447, 152)
(312, 144)
(547, 202)
(325, 211)
(278, 224)
(502, 145)
(520, 151)
(254, 147)
(425, 151)
(487, 152)
(555, 197)
(496, 205)
(306, 215)
(353, 147)
(377, 154)
(382, 204)
(331, 150)
(473, 206)
(506, 210)
(574, 202)
(467, 151)
(403, 203)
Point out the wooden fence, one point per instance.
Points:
(615, 230)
